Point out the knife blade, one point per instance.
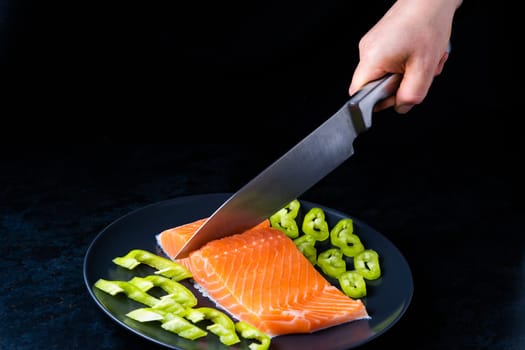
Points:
(315, 156)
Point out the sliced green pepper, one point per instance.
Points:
(222, 326)
(164, 266)
(367, 264)
(291, 209)
(331, 262)
(146, 314)
(314, 224)
(247, 331)
(132, 291)
(136, 289)
(168, 304)
(177, 291)
(353, 284)
(183, 328)
(285, 224)
(342, 236)
(170, 322)
(284, 219)
(306, 244)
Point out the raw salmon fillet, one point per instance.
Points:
(172, 240)
(259, 276)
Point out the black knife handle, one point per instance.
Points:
(361, 104)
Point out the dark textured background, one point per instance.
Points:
(109, 107)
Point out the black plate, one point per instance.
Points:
(387, 299)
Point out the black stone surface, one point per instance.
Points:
(105, 113)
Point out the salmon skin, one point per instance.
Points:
(260, 277)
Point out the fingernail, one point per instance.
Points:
(404, 109)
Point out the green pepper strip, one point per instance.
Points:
(166, 303)
(132, 291)
(331, 262)
(177, 291)
(306, 244)
(146, 314)
(284, 219)
(183, 328)
(170, 312)
(353, 284)
(170, 322)
(169, 304)
(222, 326)
(315, 224)
(367, 264)
(247, 331)
(164, 266)
(342, 236)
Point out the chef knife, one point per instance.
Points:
(318, 154)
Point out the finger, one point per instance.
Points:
(413, 88)
(441, 64)
(385, 103)
(363, 74)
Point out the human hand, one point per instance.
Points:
(412, 38)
